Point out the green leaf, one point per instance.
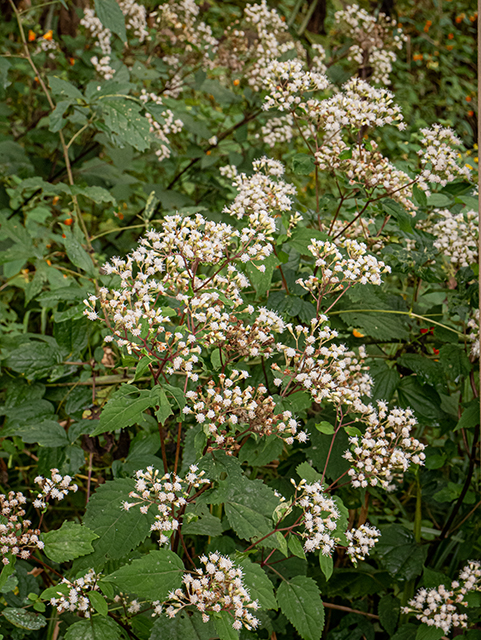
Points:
(47, 434)
(470, 416)
(308, 473)
(385, 381)
(119, 531)
(69, 542)
(203, 524)
(24, 619)
(77, 254)
(220, 93)
(258, 453)
(97, 194)
(98, 602)
(303, 164)
(295, 547)
(428, 371)
(302, 237)
(153, 576)
(429, 633)
(111, 16)
(454, 360)
(57, 121)
(7, 571)
(94, 629)
(258, 584)
(388, 609)
(327, 565)
(399, 553)
(325, 427)
(223, 625)
(261, 281)
(124, 120)
(63, 88)
(424, 400)
(33, 359)
(301, 603)
(4, 67)
(124, 409)
(160, 399)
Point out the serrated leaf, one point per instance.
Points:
(110, 15)
(470, 416)
(183, 627)
(69, 542)
(160, 399)
(261, 280)
(98, 602)
(300, 601)
(24, 619)
(119, 530)
(388, 609)
(399, 553)
(124, 409)
(33, 359)
(124, 119)
(303, 164)
(7, 571)
(258, 584)
(94, 629)
(63, 88)
(152, 577)
(308, 473)
(425, 632)
(223, 625)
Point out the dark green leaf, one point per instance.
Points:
(183, 627)
(94, 629)
(124, 409)
(223, 625)
(77, 254)
(69, 542)
(98, 602)
(258, 584)
(303, 164)
(24, 619)
(388, 609)
(63, 88)
(327, 565)
(301, 603)
(470, 416)
(399, 553)
(111, 16)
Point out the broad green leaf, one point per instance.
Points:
(302, 237)
(96, 628)
(327, 565)
(388, 609)
(7, 571)
(124, 120)
(63, 88)
(424, 400)
(223, 625)
(111, 16)
(325, 427)
(261, 452)
(261, 280)
(24, 619)
(300, 601)
(119, 530)
(97, 194)
(124, 409)
(295, 546)
(470, 416)
(160, 399)
(425, 632)
(153, 576)
(77, 254)
(33, 359)
(220, 93)
(57, 121)
(303, 164)
(202, 523)
(98, 602)
(183, 627)
(399, 553)
(258, 584)
(385, 381)
(69, 542)
(428, 371)
(47, 434)
(4, 67)
(308, 473)
(454, 360)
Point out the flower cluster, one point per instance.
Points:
(319, 518)
(287, 82)
(47, 44)
(361, 541)
(473, 324)
(439, 160)
(162, 122)
(73, 596)
(440, 607)
(136, 23)
(16, 536)
(216, 587)
(329, 372)
(262, 193)
(167, 493)
(56, 487)
(277, 131)
(373, 40)
(225, 409)
(338, 270)
(386, 449)
(457, 236)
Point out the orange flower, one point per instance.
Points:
(357, 334)
(450, 36)
(459, 19)
(450, 47)
(119, 215)
(71, 61)
(48, 35)
(36, 79)
(55, 200)
(471, 113)
(31, 36)
(49, 262)
(418, 56)
(468, 98)
(474, 17)
(236, 82)
(63, 235)
(68, 221)
(208, 152)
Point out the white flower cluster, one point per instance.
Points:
(473, 324)
(373, 40)
(262, 193)
(277, 131)
(338, 270)
(329, 373)
(225, 409)
(439, 607)
(167, 493)
(73, 596)
(319, 519)
(47, 44)
(360, 229)
(56, 487)
(167, 263)
(386, 449)
(457, 236)
(136, 22)
(216, 587)
(161, 130)
(16, 536)
(361, 541)
(438, 158)
(287, 82)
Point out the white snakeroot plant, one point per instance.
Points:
(17, 538)
(457, 236)
(384, 452)
(215, 587)
(73, 595)
(361, 541)
(440, 607)
(56, 487)
(473, 324)
(320, 516)
(167, 494)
